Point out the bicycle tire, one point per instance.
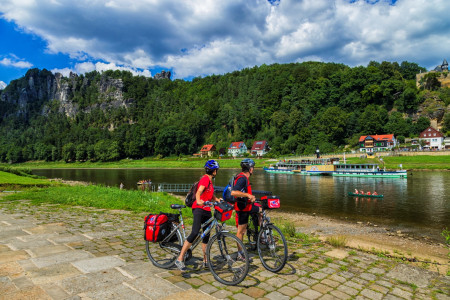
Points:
(272, 248)
(222, 252)
(252, 232)
(163, 255)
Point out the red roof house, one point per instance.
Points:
(433, 138)
(260, 148)
(237, 149)
(207, 150)
(375, 143)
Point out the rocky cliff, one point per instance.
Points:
(37, 89)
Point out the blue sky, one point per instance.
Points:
(200, 37)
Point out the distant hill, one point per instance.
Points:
(295, 107)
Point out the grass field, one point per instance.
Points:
(8, 180)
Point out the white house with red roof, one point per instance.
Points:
(237, 149)
(433, 138)
(377, 143)
(260, 148)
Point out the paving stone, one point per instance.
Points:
(318, 275)
(35, 292)
(48, 250)
(207, 288)
(376, 271)
(98, 264)
(379, 288)
(401, 293)
(47, 228)
(337, 278)
(331, 283)
(93, 281)
(368, 276)
(7, 286)
(11, 269)
(339, 295)
(65, 257)
(308, 281)
(413, 275)
(20, 245)
(188, 295)
(119, 291)
(371, 294)
(298, 286)
(55, 291)
(10, 256)
(337, 253)
(195, 281)
(276, 296)
(354, 285)
(310, 294)
(327, 297)
(321, 288)
(23, 282)
(254, 292)
(348, 290)
(241, 296)
(288, 291)
(392, 297)
(68, 238)
(222, 294)
(277, 282)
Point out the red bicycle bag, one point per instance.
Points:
(156, 227)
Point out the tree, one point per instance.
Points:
(68, 152)
(430, 81)
(373, 119)
(421, 124)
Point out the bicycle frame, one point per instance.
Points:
(210, 223)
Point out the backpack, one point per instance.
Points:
(226, 195)
(156, 227)
(190, 197)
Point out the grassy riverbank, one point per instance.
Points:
(422, 162)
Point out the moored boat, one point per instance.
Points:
(364, 195)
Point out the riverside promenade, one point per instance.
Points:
(50, 252)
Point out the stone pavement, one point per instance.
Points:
(49, 252)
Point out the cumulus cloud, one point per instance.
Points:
(15, 62)
(84, 67)
(194, 38)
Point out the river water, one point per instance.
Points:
(420, 201)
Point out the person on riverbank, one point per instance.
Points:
(245, 200)
(202, 213)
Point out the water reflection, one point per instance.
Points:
(420, 200)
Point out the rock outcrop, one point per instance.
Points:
(163, 75)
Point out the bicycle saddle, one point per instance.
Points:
(177, 206)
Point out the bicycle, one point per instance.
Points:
(221, 251)
(268, 240)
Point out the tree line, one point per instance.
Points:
(295, 107)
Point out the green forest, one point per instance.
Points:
(295, 107)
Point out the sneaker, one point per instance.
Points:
(241, 257)
(180, 265)
(204, 265)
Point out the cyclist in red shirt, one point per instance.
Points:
(205, 192)
(245, 200)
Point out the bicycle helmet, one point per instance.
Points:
(247, 163)
(211, 165)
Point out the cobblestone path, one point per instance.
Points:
(49, 252)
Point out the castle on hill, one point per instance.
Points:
(444, 78)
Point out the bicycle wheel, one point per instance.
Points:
(163, 254)
(252, 232)
(272, 248)
(223, 261)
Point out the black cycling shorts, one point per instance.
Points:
(200, 217)
(244, 215)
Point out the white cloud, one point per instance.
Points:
(2, 85)
(15, 62)
(199, 37)
(84, 67)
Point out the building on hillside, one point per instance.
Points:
(260, 148)
(207, 150)
(237, 149)
(376, 143)
(444, 79)
(447, 143)
(433, 138)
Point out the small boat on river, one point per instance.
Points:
(365, 195)
(143, 182)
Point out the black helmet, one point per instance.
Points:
(247, 163)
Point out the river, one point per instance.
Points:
(420, 201)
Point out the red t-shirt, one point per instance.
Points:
(207, 194)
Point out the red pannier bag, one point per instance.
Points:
(270, 202)
(223, 211)
(156, 227)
